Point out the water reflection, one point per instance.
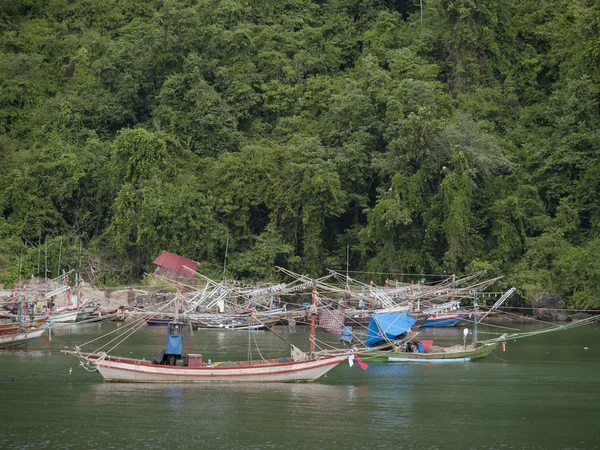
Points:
(174, 396)
(294, 391)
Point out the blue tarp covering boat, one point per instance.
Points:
(384, 327)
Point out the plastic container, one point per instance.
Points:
(420, 347)
(194, 360)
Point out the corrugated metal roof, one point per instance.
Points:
(175, 262)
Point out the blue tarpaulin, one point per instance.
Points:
(175, 338)
(384, 327)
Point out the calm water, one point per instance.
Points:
(542, 393)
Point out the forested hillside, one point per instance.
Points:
(442, 136)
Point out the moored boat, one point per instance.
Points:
(20, 339)
(389, 341)
(87, 310)
(171, 365)
(443, 320)
(65, 316)
(13, 326)
(232, 323)
(153, 321)
(269, 370)
(457, 353)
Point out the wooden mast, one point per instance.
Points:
(313, 317)
(475, 317)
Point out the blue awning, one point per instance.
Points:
(384, 327)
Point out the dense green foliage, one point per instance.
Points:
(427, 137)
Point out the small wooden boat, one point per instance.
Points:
(232, 323)
(443, 320)
(65, 315)
(154, 321)
(170, 365)
(21, 339)
(87, 310)
(103, 317)
(13, 326)
(270, 370)
(388, 341)
(457, 353)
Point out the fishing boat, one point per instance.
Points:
(154, 321)
(117, 315)
(390, 340)
(286, 369)
(444, 320)
(433, 354)
(458, 353)
(232, 323)
(10, 327)
(65, 315)
(21, 338)
(171, 365)
(87, 310)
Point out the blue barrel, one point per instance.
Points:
(420, 347)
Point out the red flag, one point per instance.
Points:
(363, 365)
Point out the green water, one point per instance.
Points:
(542, 393)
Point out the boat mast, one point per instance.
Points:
(475, 316)
(176, 305)
(313, 317)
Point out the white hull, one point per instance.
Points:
(129, 370)
(432, 360)
(15, 340)
(65, 317)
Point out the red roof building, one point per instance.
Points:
(173, 267)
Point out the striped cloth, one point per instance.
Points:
(331, 321)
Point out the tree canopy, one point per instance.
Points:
(424, 137)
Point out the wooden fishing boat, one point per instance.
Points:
(389, 341)
(457, 353)
(86, 311)
(21, 339)
(443, 320)
(170, 365)
(65, 315)
(12, 327)
(232, 323)
(269, 370)
(154, 321)
(103, 317)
